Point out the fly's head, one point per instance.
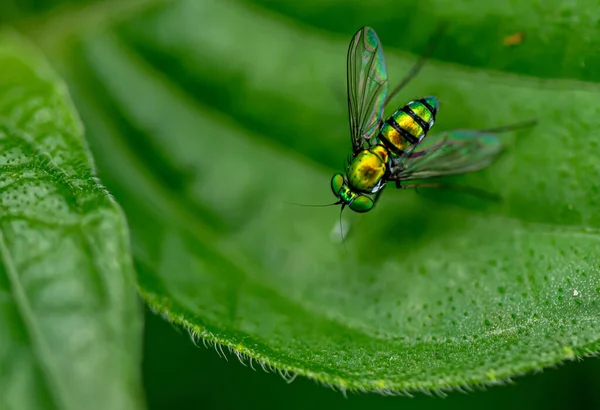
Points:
(348, 197)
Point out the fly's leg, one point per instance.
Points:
(479, 193)
(431, 45)
(511, 127)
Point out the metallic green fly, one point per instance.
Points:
(396, 149)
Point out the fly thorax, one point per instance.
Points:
(381, 152)
(367, 169)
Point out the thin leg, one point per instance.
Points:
(420, 62)
(480, 193)
(511, 127)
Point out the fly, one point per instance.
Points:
(396, 149)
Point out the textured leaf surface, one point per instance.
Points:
(205, 118)
(70, 321)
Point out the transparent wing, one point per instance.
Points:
(367, 86)
(448, 153)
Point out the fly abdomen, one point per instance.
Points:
(408, 125)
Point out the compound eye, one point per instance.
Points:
(362, 204)
(337, 182)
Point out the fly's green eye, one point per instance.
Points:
(362, 204)
(336, 183)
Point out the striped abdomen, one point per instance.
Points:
(408, 125)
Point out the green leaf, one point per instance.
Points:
(206, 118)
(71, 324)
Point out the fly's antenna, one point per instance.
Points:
(430, 48)
(312, 206)
(512, 127)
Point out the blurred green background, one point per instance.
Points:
(179, 375)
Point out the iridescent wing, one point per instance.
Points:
(367, 86)
(448, 153)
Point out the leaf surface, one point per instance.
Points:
(207, 118)
(70, 320)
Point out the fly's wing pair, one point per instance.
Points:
(453, 152)
(367, 86)
(448, 153)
